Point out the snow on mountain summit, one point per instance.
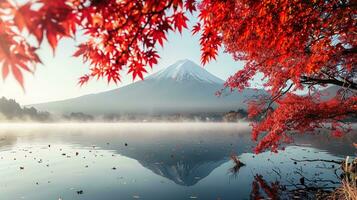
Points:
(185, 70)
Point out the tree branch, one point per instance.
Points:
(345, 84)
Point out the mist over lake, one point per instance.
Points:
(159, 161)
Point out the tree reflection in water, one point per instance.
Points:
(259, 185)
(237, 165)
(285, 188)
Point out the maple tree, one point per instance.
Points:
(296, 45)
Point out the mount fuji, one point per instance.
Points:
(183, 87)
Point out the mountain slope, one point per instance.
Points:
(183, 87)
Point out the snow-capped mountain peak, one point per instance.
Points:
(183, 87)
(185, 70)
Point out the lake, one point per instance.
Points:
(160, 161)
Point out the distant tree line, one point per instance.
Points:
(79, 116)
(11, 110)
(234, 116)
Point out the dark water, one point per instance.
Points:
(159, 161)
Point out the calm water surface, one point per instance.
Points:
(159, 161)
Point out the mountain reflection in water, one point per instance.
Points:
(158, 161)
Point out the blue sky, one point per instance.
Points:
(57, 78)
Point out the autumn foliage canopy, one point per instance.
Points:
(296, 45)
